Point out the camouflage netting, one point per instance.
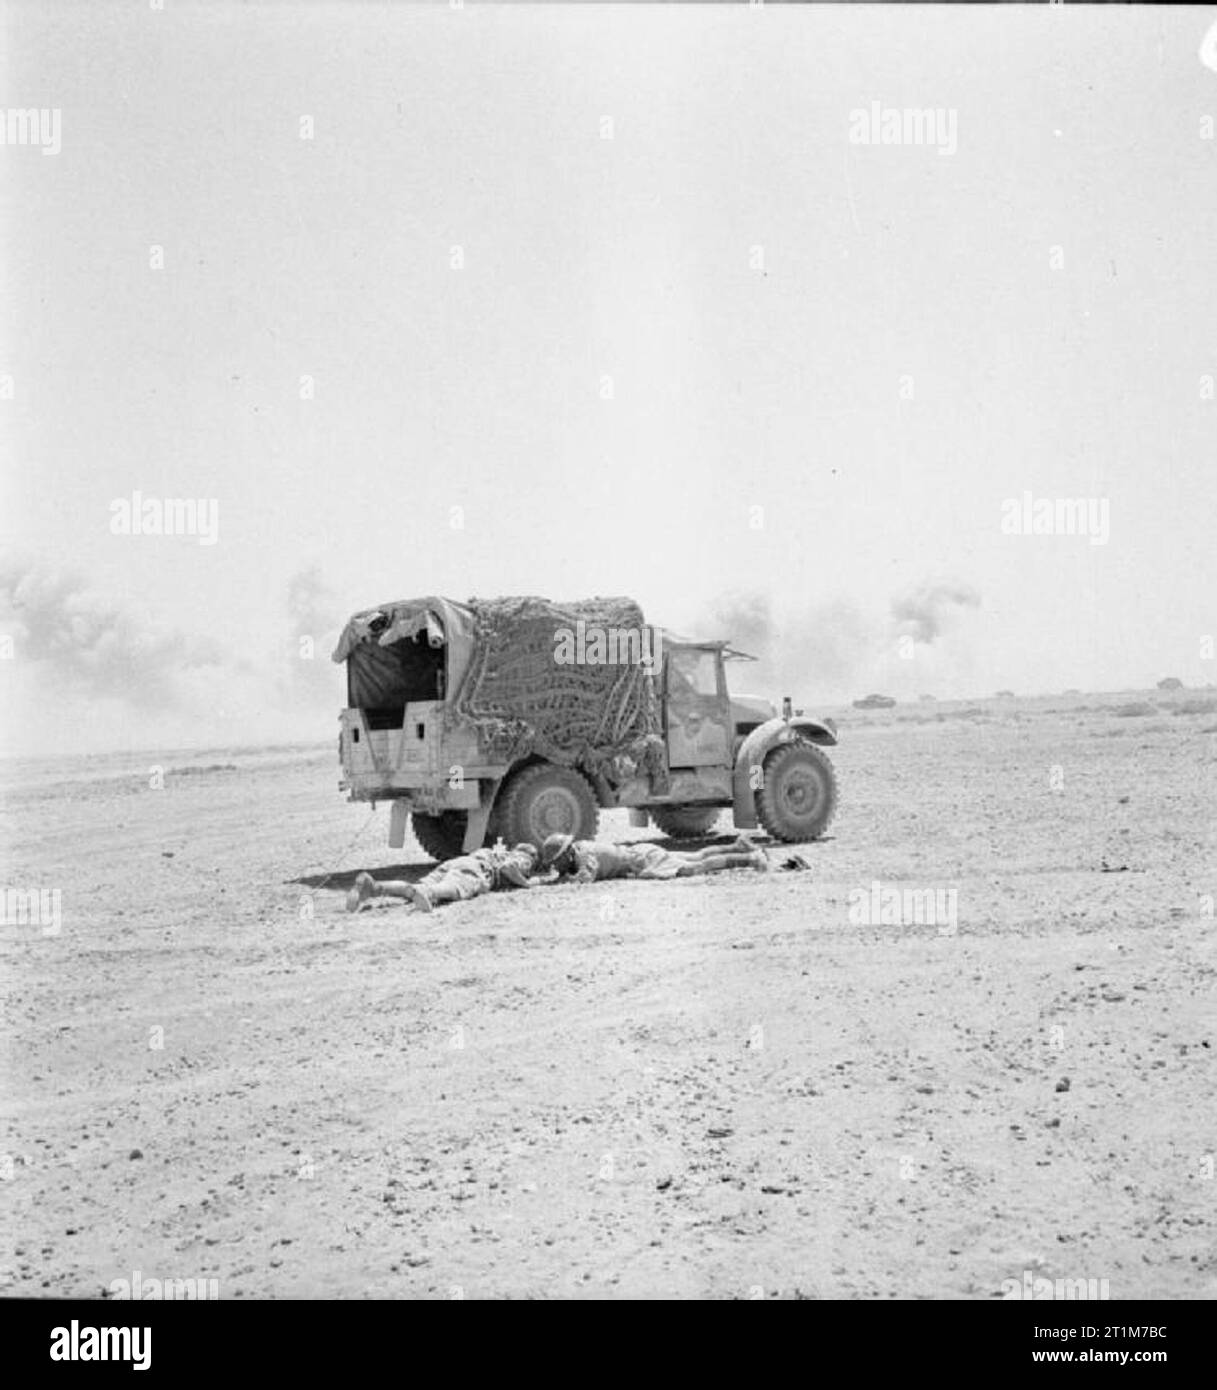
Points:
(603, 718)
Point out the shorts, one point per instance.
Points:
(655, 862)
(469, 883)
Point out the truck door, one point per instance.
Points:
(696, 707)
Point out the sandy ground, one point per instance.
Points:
(720, 1088)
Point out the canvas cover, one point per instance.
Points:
(369, 644)
(504, 681)
(601, 717)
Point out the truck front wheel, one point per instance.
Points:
(545, 799)
(799, 794)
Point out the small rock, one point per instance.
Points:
(1063, 1084)
(136, 1153)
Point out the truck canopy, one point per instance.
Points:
(508, 679)
(394, 650)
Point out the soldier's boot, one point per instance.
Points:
(420, 897)
(365, 888)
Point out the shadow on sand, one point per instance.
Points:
(345, 879)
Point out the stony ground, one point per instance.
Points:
(723, 1088)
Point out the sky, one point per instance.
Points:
(576, 300)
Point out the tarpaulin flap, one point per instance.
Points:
(377, 678)
(408, 626)
(379, 646)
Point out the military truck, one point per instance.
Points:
(516, 718)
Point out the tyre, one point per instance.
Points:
(442, 836)
(685, 822)
(545, 799)
(799, 794)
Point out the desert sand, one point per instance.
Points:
(719, 1088)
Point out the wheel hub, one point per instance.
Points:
(555, 812)
(801, 793)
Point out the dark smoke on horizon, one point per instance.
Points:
(746, 619)
(826, 642)
(315, 620)
(832, 643)
(924, 612)
(91, 647)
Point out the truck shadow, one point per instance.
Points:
(715, 839)
(758, 839)
(341, 882)
(686, 843)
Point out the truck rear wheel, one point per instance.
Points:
(442, 836)
(799, 794)
(545, 799)
(685, 822)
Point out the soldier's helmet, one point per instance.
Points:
(553, 847)
(528, 848)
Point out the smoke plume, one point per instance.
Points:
(924, 612)
(314, 619)
(819, 644)
(834, 647)
(746, 619)
(85, 646)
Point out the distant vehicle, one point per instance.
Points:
(1170, 683)
(874, 702)
(517, 718)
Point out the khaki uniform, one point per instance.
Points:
(471, 875)
(596, 862)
